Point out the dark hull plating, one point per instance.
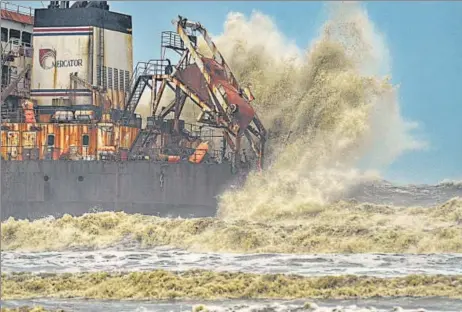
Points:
(36, 189)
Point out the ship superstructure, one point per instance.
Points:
(71, 138)
(77, 86)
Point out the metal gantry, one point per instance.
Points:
(208, 82)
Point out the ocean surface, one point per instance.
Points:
(387, 193)
(113, 260)
(380, 265)
(359, 305)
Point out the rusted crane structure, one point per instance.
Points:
(208, 82)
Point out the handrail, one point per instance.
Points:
(21, 9)
(82, 153)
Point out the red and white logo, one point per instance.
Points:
(47, 58)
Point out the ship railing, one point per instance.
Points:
(178, 154)
(139, 80)
(158, 67)
(13, 7)
(205, 133)
(140, 67)
(150, 68)
(11, 113)
(29, 151)
(172, 40)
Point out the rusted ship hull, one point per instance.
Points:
(35, 189)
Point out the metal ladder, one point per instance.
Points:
(136, 89)
(101, 56)
(141, 75)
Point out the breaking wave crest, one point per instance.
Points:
(451, 183)
(332, 115)
(198, 284)
(343, 227)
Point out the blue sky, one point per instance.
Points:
(424, 40)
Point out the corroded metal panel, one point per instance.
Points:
(126, 136)
(57, 141)
(192, 77)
